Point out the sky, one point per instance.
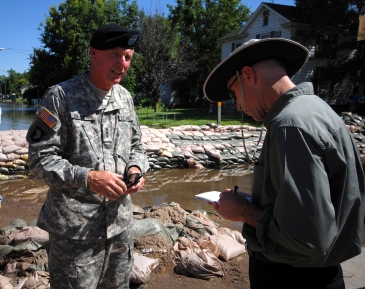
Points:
(20, 20)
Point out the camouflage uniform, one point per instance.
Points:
(73, 134)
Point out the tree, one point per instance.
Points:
(3, 85)
(201, 23)
(13, 81)
(333, 26)
(66, 34)
(161, 57)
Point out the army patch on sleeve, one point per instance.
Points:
(48, 118)
(39, 132)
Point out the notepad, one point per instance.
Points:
(212, 196)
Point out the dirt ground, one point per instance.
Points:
(236, 270)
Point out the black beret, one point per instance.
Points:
(113, 35)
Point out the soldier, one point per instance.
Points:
(85, 143)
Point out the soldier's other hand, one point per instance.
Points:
(107, 184)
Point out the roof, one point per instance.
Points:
(232, 34)
(286, 11)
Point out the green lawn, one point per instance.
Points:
(193, 116)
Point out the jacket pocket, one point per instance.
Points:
(86, 138)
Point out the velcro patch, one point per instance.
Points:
(39, 132)
(48, 118)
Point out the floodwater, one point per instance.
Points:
(161, 186)
(16, 116)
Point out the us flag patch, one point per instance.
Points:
(48, 118)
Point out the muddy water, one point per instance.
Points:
(164, 186)
(161, 186)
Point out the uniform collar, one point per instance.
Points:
(94, 101)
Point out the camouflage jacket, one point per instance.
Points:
(73, 133)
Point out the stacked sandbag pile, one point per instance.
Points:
(195, 245)
(176, 147)
(200, 146)
(13, 154)
(184, 146)
(356, 125)
(23, 258)
(188, 243)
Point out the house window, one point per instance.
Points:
(235, 45)
(275, 34)
(266, 18)
(270, 34)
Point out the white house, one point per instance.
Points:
(276, 20)
(24, 88)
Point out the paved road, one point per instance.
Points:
(354, 271)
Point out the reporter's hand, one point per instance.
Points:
(236, 207)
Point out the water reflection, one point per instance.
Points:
(175, 185)
(16, 116)
(163, 186)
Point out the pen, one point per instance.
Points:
(235, 190)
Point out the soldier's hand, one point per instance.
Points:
(107, 184)
(137, 180)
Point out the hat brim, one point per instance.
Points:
(292, 54)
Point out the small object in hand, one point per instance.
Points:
(133, 179)
(1, 199)
(235, 190)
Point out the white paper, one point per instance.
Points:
(212, 196)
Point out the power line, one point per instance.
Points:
(16, 50)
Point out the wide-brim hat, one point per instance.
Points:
(292, 54)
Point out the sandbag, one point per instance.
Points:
(203, 265)
(4, 250)
(234, 234)
(228, 247)
(149, 226)
(38, 280)
(18, 223)
(184, 245)
(29, 245)
(175, 230)
(3, 157)
(7, 239)
(5, 283)
(209, 245)
(33, 233)
(142, 268)
(33, 223)
(209, 225)
(7, 230)
(10, 148)
(194, 223)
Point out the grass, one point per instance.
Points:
(184, 116)
(192, 116)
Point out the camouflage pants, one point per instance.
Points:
(101, 263)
